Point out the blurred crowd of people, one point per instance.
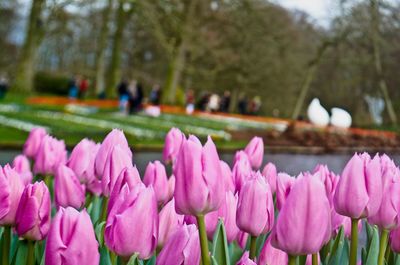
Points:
(78, 87)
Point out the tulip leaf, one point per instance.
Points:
(14, 245)
(39, 251)
(151, 261)
(344, 259)
(235, 252)
(337, 247)
(324, 252)
(95, 208)
(260, 243)
(373, 248)
(21, 253)
(104, 256)
(134, 260)
(301, 260)
(214, 261)
(99, 231)
(220, 251)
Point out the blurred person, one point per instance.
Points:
(135, 91)
(123, 95)
(213, 103)
(203, 102)
(242, 104)
(189, 101)
(255, 105)
(155, 95)
(225, 101)
(73, 87)
(3, 86)
(83, 87)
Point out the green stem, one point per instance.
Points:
(354, 242)
(113, 258)
(6, 245)
(104, 206)
(314, 259)
(292, 260)
(382, 246)
(31, 253)
(203, 240)
(253, 241)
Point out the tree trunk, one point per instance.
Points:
(377, 59)
(100, 54)
(175, 73)
(25, 70)
(115, 64)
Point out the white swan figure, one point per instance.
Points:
(340, 118)
(317, 114)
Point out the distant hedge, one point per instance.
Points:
(51, 83)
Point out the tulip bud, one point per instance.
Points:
(255, 151)
(270, 174)
(304, 222)
(359, 191)
(181, 248)
(241, 239)
(68, 191)
(387, 216)
(95, 187)
(227, 176)
(255, 212)
(284, 184)
(171, 187)
(133, 213)
(50, 155)
(329, 179)
(32, 220)
(173, 142)
(117, 160)
(33, 142)
(71, 239)
(199, 188)
(245, 260)
(82, 160)
(156, 175)
(241, 170)
(272, 256)
(115, 137)
(11, 188)
(22, 165)
(169, 222)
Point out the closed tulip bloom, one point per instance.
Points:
(171, 187)
(115, 137)
(227, 176)
(169, 221)
(82, 158)
(156, 175)
(22, 165)
(304, 222)
(227, 213)
(50, 155)
(255, 212)
(394, 238)
(134, 213)
(11, 188)
(71, 239)
(241, 170)
(68, 191)
(129, 176)
(33, 142)
(284, 184)
(329, 179)
(199, 188)
(173, 142)
(181, 248)
(339, 221)
(241, 239)
(117, 160)
(245, 260)
(272, 256)
(33, 213)
(359, 191)
(387, 216)
(255, 151)
(270, 174)
(95, 187)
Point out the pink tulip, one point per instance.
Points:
(199, 188)
(339, 221)
(255, 211)
(284, 184)
(32, 219)
(71, 239)
(171, 187)
(394, 238)
(359, 191)
(173, 142)
(50, 155)
(82, 160)
(68, 191)
(95, 187)
(270, 174)
(387, 216)
(22, 165)
(227, 176)
(134, 213)
(241, 170)
(181, 248)
(304, 222)
(241, 239)
(117, 160)
(156, 176)
(169, 222)
(329, 179)
(245, 260)
(33, 142)
(11, 188)
(227, 213)
(255, 151)
(270, 255)
(115, 137)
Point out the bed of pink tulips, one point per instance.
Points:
(94, 207)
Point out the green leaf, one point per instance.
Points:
(94, 209)
(301, 260)
(214, 261)
(235, 252)
(220, 251)
(21, 253)
(104, 256)
(134, 260)
(39, 251)
(151, 261)
(373, 250)
(260, 243)
(99, 230)
(344, 259)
